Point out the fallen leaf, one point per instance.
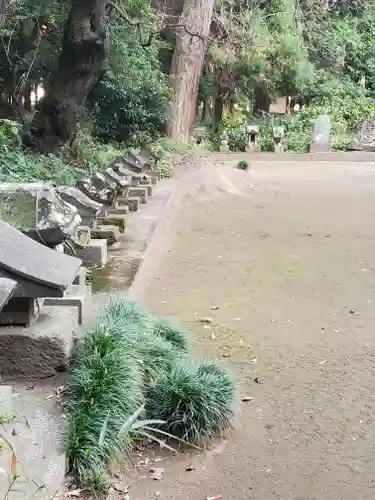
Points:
(13, 465)
(216, 497)
(157, 473)
(50, 396)
(74, 493)
(225, 355)
(205, 320)
(258, 380)
(254, 360)
(214, 308)
(189, 468)
(246, 398)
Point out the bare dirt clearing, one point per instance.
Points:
(286, 251)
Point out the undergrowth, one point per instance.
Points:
(132, 379)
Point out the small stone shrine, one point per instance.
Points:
(278, 134)
(38, 211)
(253, 139)
(365, 139)
(224, 146)
(321, 135)
(34, 339)
(88, 209)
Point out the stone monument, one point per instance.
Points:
(278, 134)
(365, 139)
(224, 146)
(88, 209)
(38, 211)
(253, 143)
(35, 339)
(321, 135)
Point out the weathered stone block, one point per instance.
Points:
(115, 220)
(133, 203)
(39, 350)
(94, 254)
(109, 233)
(139, 192)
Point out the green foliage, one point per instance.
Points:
(243, 165)
(169, 329)
(130, 103)
(105, 390)
(195, 401)
(128, 362)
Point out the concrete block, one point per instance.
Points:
(154, 176)
(133, 203)
(120, 209)
(94, 254)
(115, 220)
(80, 279)
(109, 233)
(41, 349)
(149, 188)
(76, 296)
(139, 192)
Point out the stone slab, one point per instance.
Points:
(34, 266)
(95, 254)
(40, 350)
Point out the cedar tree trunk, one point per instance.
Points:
(187, 66)
(81, 63)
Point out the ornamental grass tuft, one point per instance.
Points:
(195, 401)
(105, 390)
(169, 329)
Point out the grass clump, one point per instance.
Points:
(105, 390)
(169, 329)
(195, 401)
(243, 165)
(132, 379)
(125, 313)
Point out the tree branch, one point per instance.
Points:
(137, 25)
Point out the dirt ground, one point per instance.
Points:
(286, 251)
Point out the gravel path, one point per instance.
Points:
(287, 253)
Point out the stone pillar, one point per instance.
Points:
(278, 134)
(253, 143)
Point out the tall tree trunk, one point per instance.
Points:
(187, 66)
(81, 63)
